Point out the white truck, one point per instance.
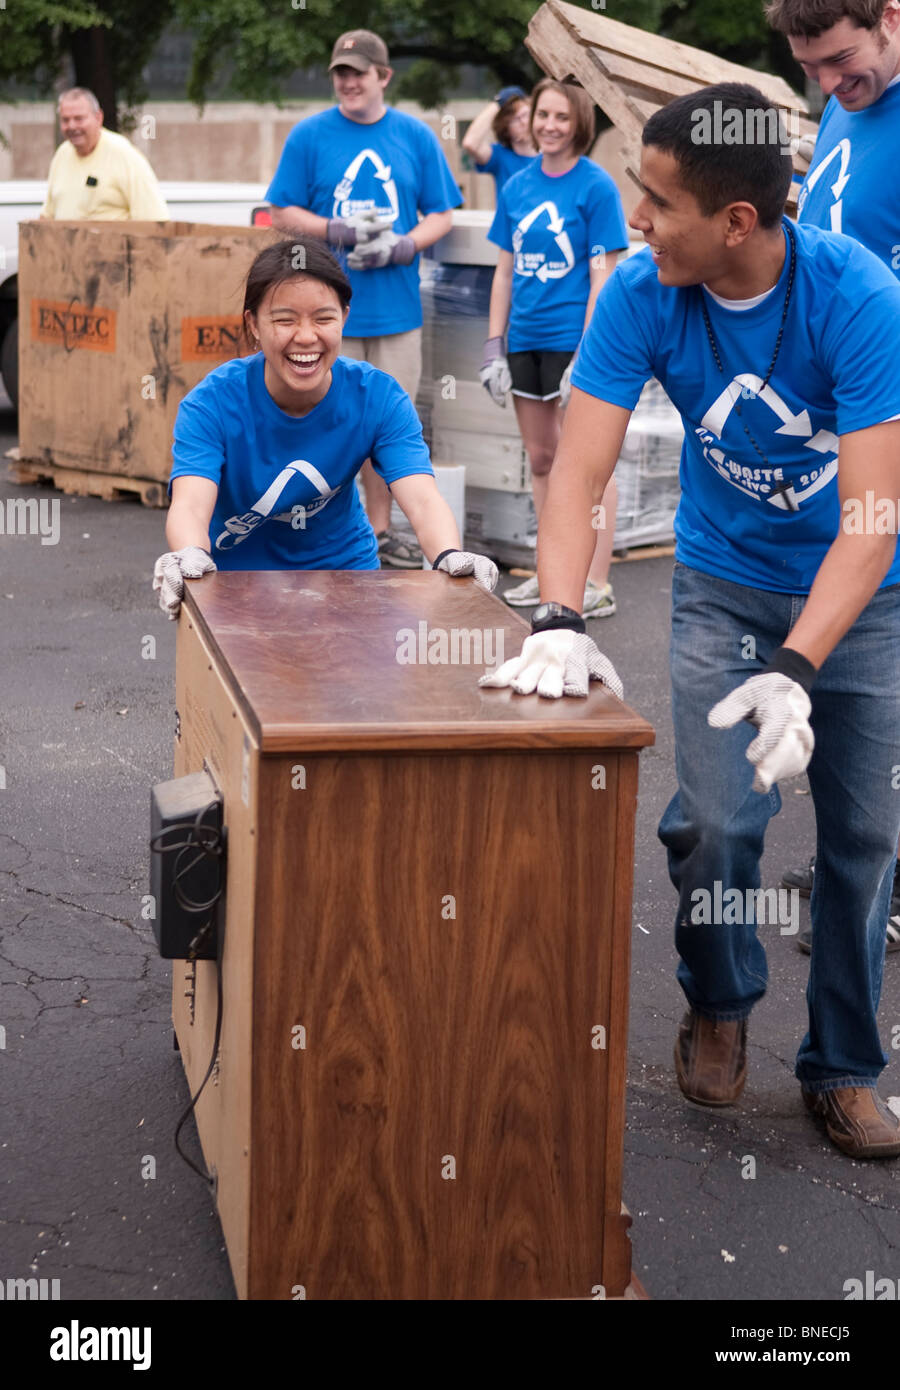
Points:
(21, 200)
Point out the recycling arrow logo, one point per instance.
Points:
(536, 263)
(238, 528)
(798, 426)
(844, 149)
(381, 171)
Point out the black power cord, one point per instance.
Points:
(206, 841)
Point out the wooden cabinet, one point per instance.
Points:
(420, 1089)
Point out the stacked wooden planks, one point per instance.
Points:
(630, 73)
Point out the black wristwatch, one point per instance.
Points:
(548, 616)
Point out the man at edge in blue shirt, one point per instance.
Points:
(357, 176)
(852, 49)
(778, 345)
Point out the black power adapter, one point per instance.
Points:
(187, 865)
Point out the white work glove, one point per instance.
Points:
(359, 229)
(565, 385)
(460, 563)
(557, 662)
(779, 708)
(494, 371)
(173, 568)
(386, 249)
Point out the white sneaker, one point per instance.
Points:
(526, 595)
(598, 603)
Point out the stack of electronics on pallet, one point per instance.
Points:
(463, 425)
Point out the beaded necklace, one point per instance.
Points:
(783, 487)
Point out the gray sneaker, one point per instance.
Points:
(598, 603)
(527, 595)
(397, 551)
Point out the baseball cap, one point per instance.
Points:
(359, 49)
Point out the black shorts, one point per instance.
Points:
(536, 375)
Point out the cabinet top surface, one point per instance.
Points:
(373, 659)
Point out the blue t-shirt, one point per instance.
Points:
(287, 497)
(503, 163)
(335, 167)
(852, 185)
(765, 525)
(553, 226)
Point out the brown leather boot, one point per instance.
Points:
(857, 1121)
(711, 1059)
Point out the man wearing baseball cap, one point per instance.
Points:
(358, 176)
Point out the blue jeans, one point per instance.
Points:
(713, 829)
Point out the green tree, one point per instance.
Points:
(262, 46)
(253, 47)
(30, 32)
(107, 43)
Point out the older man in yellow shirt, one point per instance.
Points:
(97, 174)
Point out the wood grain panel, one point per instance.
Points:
(429, 1037)
(213, 733)
(616, 1244)
(311, 656)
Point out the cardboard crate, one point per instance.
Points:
(119, 320)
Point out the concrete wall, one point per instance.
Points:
(242, 141)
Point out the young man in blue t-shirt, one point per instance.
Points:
(852, 49)
(357, 176)
(778, 345)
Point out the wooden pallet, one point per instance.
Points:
(630, 73)
(79, 482)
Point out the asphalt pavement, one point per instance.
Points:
(90, 1086)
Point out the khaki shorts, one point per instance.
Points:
(398, 354)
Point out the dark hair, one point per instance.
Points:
(756, 168)
(289, 260)
(504, 118)
(807, 19)
(581, 105)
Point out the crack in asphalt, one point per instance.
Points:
(131, 884)
(67, 902)
(870, 1219)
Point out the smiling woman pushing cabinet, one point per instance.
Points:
(267, 447)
